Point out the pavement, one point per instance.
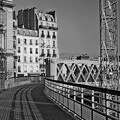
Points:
(28, 102)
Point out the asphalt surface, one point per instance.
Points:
(28, 102)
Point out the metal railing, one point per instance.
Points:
(85, 102)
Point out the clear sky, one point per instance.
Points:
(78, 23)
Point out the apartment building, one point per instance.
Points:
(34, 40)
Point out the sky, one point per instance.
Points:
(78, 23)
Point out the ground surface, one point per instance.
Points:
(29, 102)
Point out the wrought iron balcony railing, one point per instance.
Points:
(42, 55)
(48, 55)
(54, 36)
(54, 55)
(14, 36)
(46, 27)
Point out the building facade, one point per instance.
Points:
(6, 41)
(34, 40)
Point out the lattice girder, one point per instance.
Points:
(76, 71)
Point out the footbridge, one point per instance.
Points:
(69, 91)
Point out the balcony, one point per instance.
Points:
(42, 55)
(43, 27)
(55, 28)
(42, 35)
(48, 55)
(54, 46)
(14, 36)
(15, 57)
(54, 55)
(48, 46)
(46, 27)
(14, 26)
(14, 46)
(48, 36)
(54, 37)
(43, 45)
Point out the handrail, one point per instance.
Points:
(105, 90)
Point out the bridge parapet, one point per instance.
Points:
(13, 82)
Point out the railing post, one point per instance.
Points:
(74, 93)
(68, 95)
(63, 93)
(59, 92)
(82, 96)
(107, 104)
(74, 99)
(93, 100)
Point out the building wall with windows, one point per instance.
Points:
(35, 44)
(27, 51)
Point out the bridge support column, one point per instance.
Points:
(51, 69)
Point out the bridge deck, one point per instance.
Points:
(28, 102)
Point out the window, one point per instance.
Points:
(31, 60)
(14, 45)
(19, 69)
(25, 41)
(31, 50)
(42, 50)
(41, 23)
(46, 18)
(48, 34)
(36, 42)
(31, 68)
(25, 59)
(25, 50)
(19, 40)
(36, 59)
(14, 64)
(36, 68)
(18, 58)
(53, 51)
(36, 50)
(42, 54)
(54, 36)
(18, 49)
(42, 35)
(52, 25)
(48, 51)
(54, 54)
(30, 41)
(53, 43)
(25, 68)
(14, 33)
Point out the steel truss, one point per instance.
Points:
(109, 58)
